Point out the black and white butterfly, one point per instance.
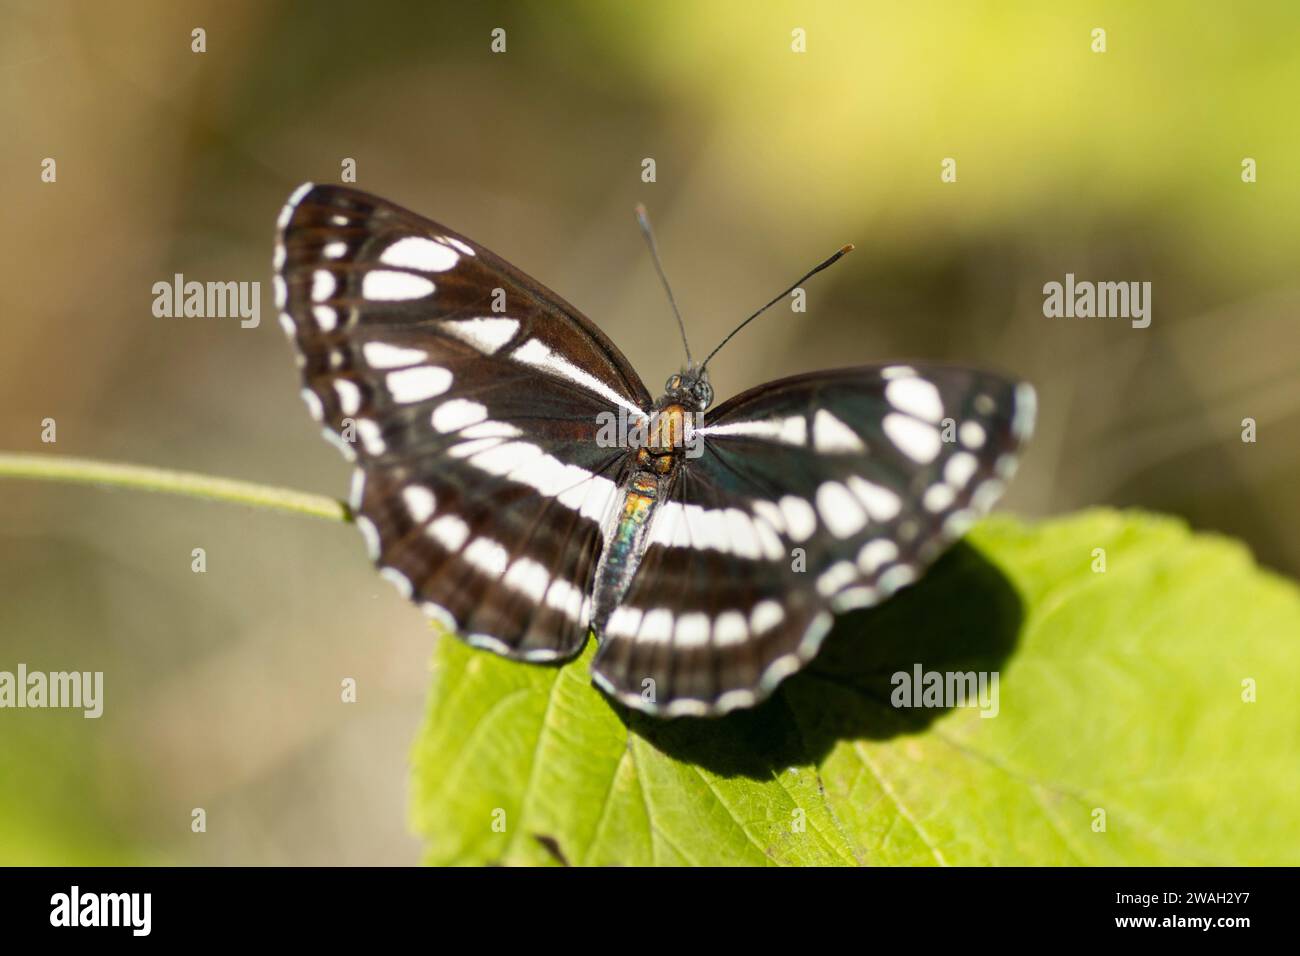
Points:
(472, 399)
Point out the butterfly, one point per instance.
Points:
(518, 482)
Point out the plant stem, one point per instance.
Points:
(87, 471)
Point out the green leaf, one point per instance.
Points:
(1119, 691)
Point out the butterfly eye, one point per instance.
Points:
(703, 393)
(673, 384)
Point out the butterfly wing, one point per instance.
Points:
(812, 495)
(470, 397)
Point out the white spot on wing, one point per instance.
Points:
(667, 527)
(486, 335)
(1022, 421)
(881, 503)
(771, 544)
(449, 531)
(381, 285)
(692, 630)
(791, 430)
(735, 699)
(839, 510)
(440, 614)
(417, 384)
(571, 485)
(466, 449)
(597, 496)
(916, 397)
(917, 440)
(730, 628)
(504, 458)
(709, 527)
(370, 435)
(528, 577)
(855, 597)
(741, 534)
(383, 355)
(938, 497)
(491, 430)
(322, 285)
(770, 513)
(358, 490)
(371, 534)
(398, 580)
(565, 598)
(287, 212)
(837, 576)
(419, 503)
(624, 622)
(833, 436)
(488, 556)
(345, 448)
(897, 371)
(765, 616)
(875, 554)
(326, 318)
(457, 413)
(656, 626)
(896, 577)
(535, 353)
(800, 519)
(986, 494)
(313, 404)
(959, 469)
(416, 252)
(349, 395)
(957, 523)
(971, 434)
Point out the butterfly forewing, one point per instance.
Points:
(814, 494)
(471, 397)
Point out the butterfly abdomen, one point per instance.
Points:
(622, 552)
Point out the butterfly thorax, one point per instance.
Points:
(670, 429)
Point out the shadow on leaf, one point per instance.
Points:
(963, 615)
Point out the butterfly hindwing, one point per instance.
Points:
(814, 494)
(470, 397)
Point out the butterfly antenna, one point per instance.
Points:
(808, 275)
(643, 221)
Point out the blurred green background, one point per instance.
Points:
(222, 689)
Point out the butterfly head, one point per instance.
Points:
(689, 387)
